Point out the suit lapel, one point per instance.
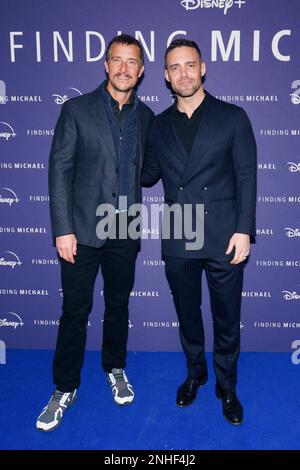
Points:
(170, 144)
(99, 116)
(210, 126)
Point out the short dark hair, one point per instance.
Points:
(182, 43)
(125, 39)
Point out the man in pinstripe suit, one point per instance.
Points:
(204, 150)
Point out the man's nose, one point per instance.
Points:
(183, 71)
(123, 67)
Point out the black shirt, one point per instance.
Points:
(121, 114)
(186, 127)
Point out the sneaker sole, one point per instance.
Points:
(56, 425)
(126, 403)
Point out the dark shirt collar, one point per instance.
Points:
(133, 100)
(181, 114)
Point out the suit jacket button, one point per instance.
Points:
(117, 170)
(212, 165)
(206, 212)
(170, 166)
(181, 188)
(205, 188)
(113, 194)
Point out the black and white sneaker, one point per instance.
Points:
(121, 389)
(52, 414)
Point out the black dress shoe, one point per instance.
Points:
(187, 392)
(232, 408)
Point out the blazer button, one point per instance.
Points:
(206, 212)
(181, 188)
(205, 188)
(212, 165)
(113, 194)
(117, 170)
(170, 166)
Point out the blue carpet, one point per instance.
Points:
(268, 388)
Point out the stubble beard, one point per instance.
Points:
(189, 92)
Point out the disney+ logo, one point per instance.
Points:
(222, 4)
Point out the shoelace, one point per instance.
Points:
(119, 379)
(55, 401)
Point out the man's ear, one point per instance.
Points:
(167, 75)
(203, 69)
(106, 66)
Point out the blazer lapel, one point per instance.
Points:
(210, 126)
(99, 116)
(169, 142)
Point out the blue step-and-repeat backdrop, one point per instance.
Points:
(53, 51)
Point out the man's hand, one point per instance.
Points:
(241, 243)
(66, 246)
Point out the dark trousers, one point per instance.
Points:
(225, 287)
(117, 260)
